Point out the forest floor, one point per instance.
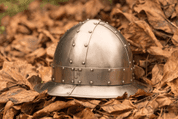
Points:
(30, 31)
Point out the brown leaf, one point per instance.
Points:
(8, 105)
(126, 105)
(25, 44)
(10, 114)
(5, 20)
(55, 106)
(157, 74)
(170, 69)
(47, 33)
(17, 72)
(34, 5)
(123, 115)
(37, 53)
(140, 33)
(88, 103)
(124, 18)
(22, 29)
(45, 73)
(75, 10)
(51, 49)
(92, 8)
(164, 100)
(139, 72)
(85, 114)
(18, 95)
(153, 50)
(175, 38)
(174, 86)
(155, 15)
(139, 93)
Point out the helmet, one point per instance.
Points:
(92, 60)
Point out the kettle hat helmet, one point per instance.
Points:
(92, 60)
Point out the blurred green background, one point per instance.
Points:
(15, 6)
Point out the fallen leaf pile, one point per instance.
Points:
(27, 47)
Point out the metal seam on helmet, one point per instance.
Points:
(89, 42)
(73, 42)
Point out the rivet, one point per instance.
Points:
(78, 31)
(63, 81)
(72, 81)
(109, 82)
(83, 22)
(73, 44)
(130, 68)
(53, 78)
(73, 69)
(128, 43)
(79, 82)
(85, 45)
(133, 77)
(106, 22)
(83, 63)
(70, 61)
(123, 81)
(63, 67)
(91, 69)
(133, 60)
(80, 69)
(119, 30)
(89, 31)
(130, 62)
(125, 45)
(131, 80)
(123, 69)
(115, 31)
(91, 82)
(88, 19)
(132, 73)
(109, 69)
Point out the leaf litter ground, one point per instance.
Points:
(28, 45)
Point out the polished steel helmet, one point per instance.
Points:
(92, 60)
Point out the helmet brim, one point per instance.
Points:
(86, 91)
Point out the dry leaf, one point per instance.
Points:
(157, 74)
(126, 105)
(18, 95)
(88, 103)
(55, 106)
(45, 73)
(155, 15)
(140, 33)
(92, 8)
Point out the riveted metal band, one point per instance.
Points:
(83, 76)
